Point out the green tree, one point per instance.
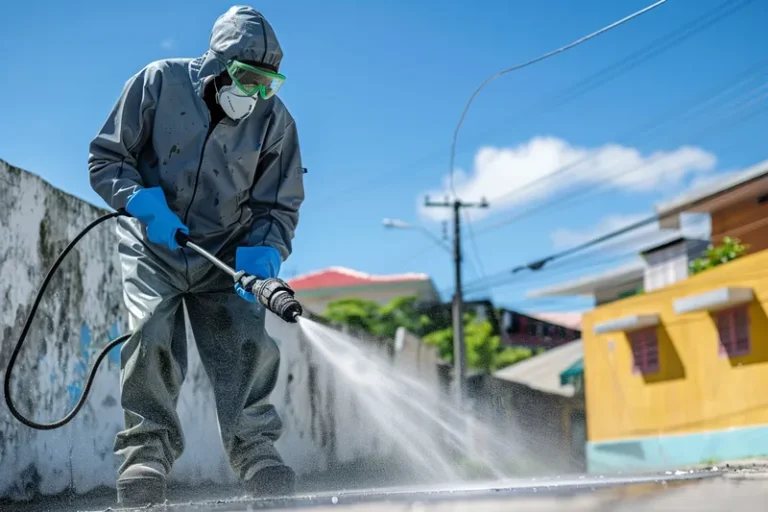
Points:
(359, 314)
(403, 311)
(368, 316)
(730, 249)
(484, 350)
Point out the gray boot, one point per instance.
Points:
(141, 484)
(277, 481)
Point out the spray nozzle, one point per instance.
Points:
(275, 295)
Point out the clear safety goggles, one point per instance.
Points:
(251, 80)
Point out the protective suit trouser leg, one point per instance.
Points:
(242, 363)
(239, 357)
(153, 362)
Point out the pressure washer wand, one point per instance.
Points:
(273, 293)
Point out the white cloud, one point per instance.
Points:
(168, 43)
(510, 177)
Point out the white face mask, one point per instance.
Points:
(236, 105)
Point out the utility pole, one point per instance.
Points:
(459, 347)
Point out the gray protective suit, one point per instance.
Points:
(233, 184)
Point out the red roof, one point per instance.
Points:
(339, 277)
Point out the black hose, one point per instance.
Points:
(17, 349)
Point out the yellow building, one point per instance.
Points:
(679, 375)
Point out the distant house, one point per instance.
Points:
(571, 320)
(315, 290)
(536, 331)
(605, 287)
(737, 206)
(544, 330)
(668, 261)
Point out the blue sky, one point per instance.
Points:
(377, 88)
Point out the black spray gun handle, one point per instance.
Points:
(273, 293)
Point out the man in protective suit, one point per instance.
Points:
(202, 147)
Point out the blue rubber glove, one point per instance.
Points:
(260, 261)
(149, 206)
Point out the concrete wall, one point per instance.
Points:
(549, 422)
(81, 312)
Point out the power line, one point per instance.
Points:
(759, 273)
(475, 249)
(754, 274)
(564, 96)
(643, 54)
(744, 77)
(627, 63)
(732, 232)
(568, 264)
(591, 192)
(676, 112)
(655, 48)
(607, 180)
(568, 269)
(533, 61)
(429, 157)
(642, 239)
(436, 242)
(540, 263)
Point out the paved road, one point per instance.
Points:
(741, 487)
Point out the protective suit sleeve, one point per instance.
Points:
(113, 153)
(280, 165)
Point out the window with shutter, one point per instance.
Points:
(645, 350)
(733, 331)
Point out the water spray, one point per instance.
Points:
(273, 293)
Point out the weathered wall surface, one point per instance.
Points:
(82, 310)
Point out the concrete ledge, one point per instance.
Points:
(676, 450)
(714, 300)
(626, 323)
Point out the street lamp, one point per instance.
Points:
(401, 224)
(395, 223)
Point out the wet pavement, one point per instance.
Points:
(731, 487)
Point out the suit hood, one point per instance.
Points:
(241, 33)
